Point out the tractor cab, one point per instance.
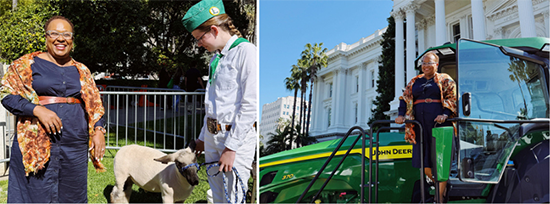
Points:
(502, 126)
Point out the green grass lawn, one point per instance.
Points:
(100, 185)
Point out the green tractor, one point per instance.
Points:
(501, 144)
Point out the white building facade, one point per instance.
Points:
(344, 90)
(271, 112)
(439, 21)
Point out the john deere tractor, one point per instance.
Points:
(499, 151)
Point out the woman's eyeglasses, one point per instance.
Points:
(54, 34)
(429, 63)
(200, 38)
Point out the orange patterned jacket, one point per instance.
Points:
(33, 140)
(446, 85)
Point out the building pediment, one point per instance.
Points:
(504, 9)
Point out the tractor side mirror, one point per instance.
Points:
(466, 103)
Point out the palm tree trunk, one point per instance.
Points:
(300, 118)
(309, 108)
(302, 110)
(293, 116)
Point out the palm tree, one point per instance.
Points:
(280, 140)
(293, 83)
(315, 58)
(303, 139)
(304, 78)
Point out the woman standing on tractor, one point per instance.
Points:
(429, 98)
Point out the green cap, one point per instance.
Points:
(201, 12)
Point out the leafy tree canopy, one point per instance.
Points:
(128, 37)
(22, 31)
(386, 74)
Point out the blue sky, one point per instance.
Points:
(286, 26)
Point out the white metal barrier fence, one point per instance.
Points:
(164, 119)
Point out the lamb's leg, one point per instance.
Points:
(167, 194)
(128, 188)
(120, 193)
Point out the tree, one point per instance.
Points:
(130, 37)
(386, 75)
(276, 143)
(22, 31)
(303, 139)
(315, 58)
(110, 35)
(7, 6)
(304, 78)
(293, 83)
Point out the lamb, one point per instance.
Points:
(149, 169)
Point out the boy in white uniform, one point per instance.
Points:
(228, 134)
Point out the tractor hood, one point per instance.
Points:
(324, 149)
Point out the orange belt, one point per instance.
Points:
(428, 100)
(45, 100)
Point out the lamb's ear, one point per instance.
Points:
(165, 159)
(192, 145)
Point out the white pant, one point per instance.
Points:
(213, 148)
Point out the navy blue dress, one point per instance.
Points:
(64, 179)
(425, 114)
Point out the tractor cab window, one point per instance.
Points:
(500, 87)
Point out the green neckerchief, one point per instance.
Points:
(214, 63)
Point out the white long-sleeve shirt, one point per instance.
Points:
(232, 97)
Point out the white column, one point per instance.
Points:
(314, 104)
(440, 27)
(411, 41)
(362, 89)
(420, 26)
(478, 19)
(399, 54)
(321, 96)
(526, 18)
(340, 98)
(335, 101)
(545, 14)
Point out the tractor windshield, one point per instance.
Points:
(501, 87)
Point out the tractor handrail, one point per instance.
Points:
(422, 176)
(337, 166)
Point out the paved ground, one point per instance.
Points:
(5, 175)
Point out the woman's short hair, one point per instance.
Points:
(433, 54)
(58, 17)
(223, 21)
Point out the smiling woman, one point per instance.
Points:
(59, 110)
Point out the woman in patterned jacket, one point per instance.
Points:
(429, 98)
(59, 116)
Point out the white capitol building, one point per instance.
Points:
(345, 89)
